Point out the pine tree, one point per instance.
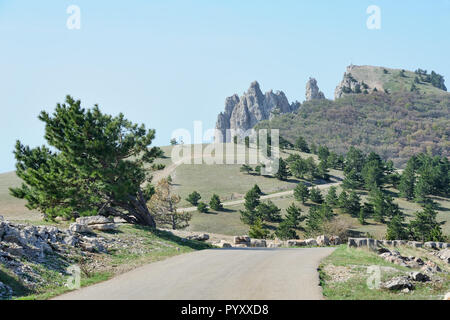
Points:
(246, 168)
(202, 207)
(351, 180)
(283, 172)
(332, 198)
(251, 200)
(408, 180)
(215, 203)
(257, 230)
(377, 199)
(316, 195)
(421, 190)
(257, 189)
(193, 198)
(322, 170)
(301, 193)
(342, 200)
(293, 216)
(249, 215)
(353, 205)
(300, 144)
(96, 164)
(425, 227)
(268, 212)
(285, 232)
(396, 229)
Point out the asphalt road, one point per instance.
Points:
(230, 274)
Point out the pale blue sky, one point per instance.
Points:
(168, 63)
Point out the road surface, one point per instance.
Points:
(229, 274)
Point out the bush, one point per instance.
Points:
(193, 198)
(202, 207)
(215, 203)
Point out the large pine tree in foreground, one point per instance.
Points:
(96, 165)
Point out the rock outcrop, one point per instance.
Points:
(350, 85)
(243, 113)
(312, 90)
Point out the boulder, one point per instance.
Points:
(93, 220)
(79, 228)
(295, 243)
(224, 244)
(104, 227)
(430, 267)
(419, 277)
(335, 240)
(199, 237)
(258, 243)
(242, 240)
(323, 240)
(415, 244)
(398, 283)
(447, 296)
(310, 242)
(444, 255)
(14, 249)
(357, 242)
(430, 245)
(273, 244)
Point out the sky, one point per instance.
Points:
(168, 63)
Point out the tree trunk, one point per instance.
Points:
(141, 212)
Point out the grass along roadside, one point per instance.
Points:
(137, 246)
(344, 276)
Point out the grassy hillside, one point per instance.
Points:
(227, 180)
(391, 79)
(396, 126)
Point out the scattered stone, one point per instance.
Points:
(93, 220)
(242, 240)
(295, 243)
(430, 268)
(323, 240)
(418, 276)
(199, 237)
(104, 227)
(335, 240)
(415, 244)
(398, 283)
(430, 245)
(311, 242)
(80, 228)
(444, 255)
(224, 244)
(257, 243)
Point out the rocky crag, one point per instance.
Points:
(312, 90)
(242, 113)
